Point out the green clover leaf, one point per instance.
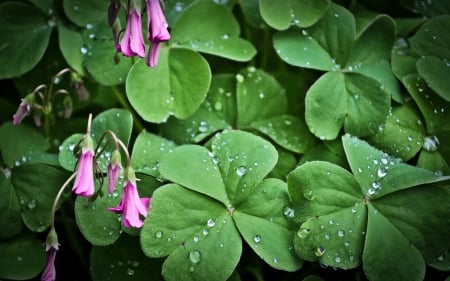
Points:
(250, 100)
(217, 195)
(281, 15)
(219, 37)
(356, 90)
(348, 218)
(183, 81)
(432, 42)
(25, 33)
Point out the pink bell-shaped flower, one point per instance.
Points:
(131, 206)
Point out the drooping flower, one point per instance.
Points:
(132, 42)
(84, 180)
(131, 206)
(51, 246)
(24, 109)
(157, 30)
(113, 170)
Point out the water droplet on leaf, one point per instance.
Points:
(195, 256)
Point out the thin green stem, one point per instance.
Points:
(137, 123)
(58, 196)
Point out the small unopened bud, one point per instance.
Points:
(68, 107)
(113, 11)
(79, 87)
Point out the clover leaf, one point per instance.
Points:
(25, 33)
(432, 42)
(435, 111)
(367, 216)
(281, 15)
(250, 100)
(183, 81)
(219, 37)
(216, 197)
(356, 90)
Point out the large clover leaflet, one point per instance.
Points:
(216, 197)
(370, 216)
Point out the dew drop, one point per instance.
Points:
(320, 251)
(341, 233)
(241, 171)
(130, 272)
(327, 236)
(210, 223)
(83, 50)
(205, 232)
(376, 185)
(32, 204)
(240, 78)
(371, 191)
(276, 260)
(289, 212)
(309, 195)
(195, 256)
(381, 173)
(431, 143)
(337, 259)
(303, 232)
(257, 238)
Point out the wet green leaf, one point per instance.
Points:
(36, 187)
(22, 258)
(183, 80)
(281, 15)
(123, 259)
(25, 33)
(219, 37)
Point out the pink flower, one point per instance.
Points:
(24, 109)
(131, 206)
(157, 30)
(113, 170)
(51, 246)
(132, 42)
(84, 180)
(49, 273)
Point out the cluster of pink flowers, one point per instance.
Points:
(132, 42)
(131, 206)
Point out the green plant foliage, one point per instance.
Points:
(348, 218)
(183, 80)
(85, 13)
(148, 150)
(30, 31)
(98, 52)
(302, 139)
(217, 196)
(251, 100)
(36, 187)
(20, 143)
(359, 77)
(281, 15)
(219, 37)
(22, 258)
(432, 42)
(123, 259)
(71, 44)
(118, 121)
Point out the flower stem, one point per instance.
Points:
(58, 196)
